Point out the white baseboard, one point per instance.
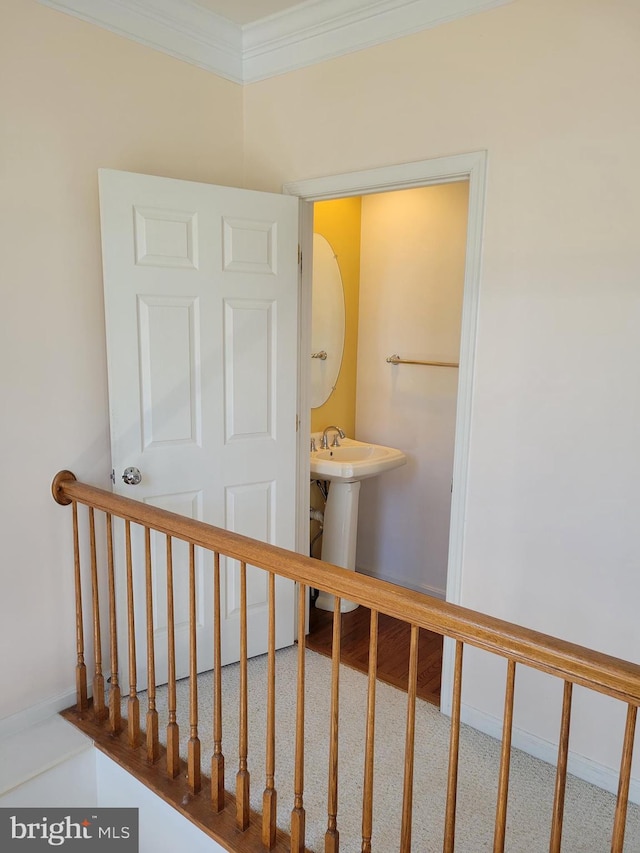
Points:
(36, 713)
(578, 765)
(433, 591)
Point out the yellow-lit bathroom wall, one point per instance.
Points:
(338, 222)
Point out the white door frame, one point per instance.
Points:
(441, 170)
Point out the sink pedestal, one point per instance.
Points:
(340, 530)
(345, 465)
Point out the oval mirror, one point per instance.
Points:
(327, 321)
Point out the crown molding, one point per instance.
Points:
(324, 29)
(308, 33)
(179, 28)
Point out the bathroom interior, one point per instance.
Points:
(388, 282)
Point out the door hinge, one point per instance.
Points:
(300, 257)
(297, 422)
(113, 476)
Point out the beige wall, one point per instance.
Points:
(548, 89)
(73, 98)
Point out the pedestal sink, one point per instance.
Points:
(345, 467)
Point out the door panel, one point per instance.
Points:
(249, 365)
(201, 303)
(169, 342)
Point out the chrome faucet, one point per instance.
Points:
(325, 438)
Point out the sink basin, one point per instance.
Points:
(354, 460)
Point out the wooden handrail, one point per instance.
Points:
(568, 661)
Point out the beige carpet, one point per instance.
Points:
(589, 810)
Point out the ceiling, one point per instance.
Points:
(250, 40)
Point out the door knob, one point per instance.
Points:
(132, 476)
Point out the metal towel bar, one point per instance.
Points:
(395, 359)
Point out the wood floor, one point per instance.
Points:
(393, 648)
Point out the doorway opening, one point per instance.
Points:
(400, 257)
(383, 186)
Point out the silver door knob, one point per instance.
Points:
(132, 476)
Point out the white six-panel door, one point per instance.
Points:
(201, 301)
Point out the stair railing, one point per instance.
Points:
(574, 664)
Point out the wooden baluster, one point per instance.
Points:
(81, 669)
(561, 772)
(505, 761)
(242, 776)
(454, 748)
(99, 708)
(298, 814)
(133, 704)
(619, 824)
(367, 792)
(173, 731)
(270, 795)
(193, 747)
(407, 796)
(115, 716)
(153, 744)
(332, 835)
(217, 760)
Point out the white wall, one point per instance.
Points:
(49, 764)
(92, 779)
(73, 98)
(53, 765)
(411, 285)
(162, 828)
(548, 89)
